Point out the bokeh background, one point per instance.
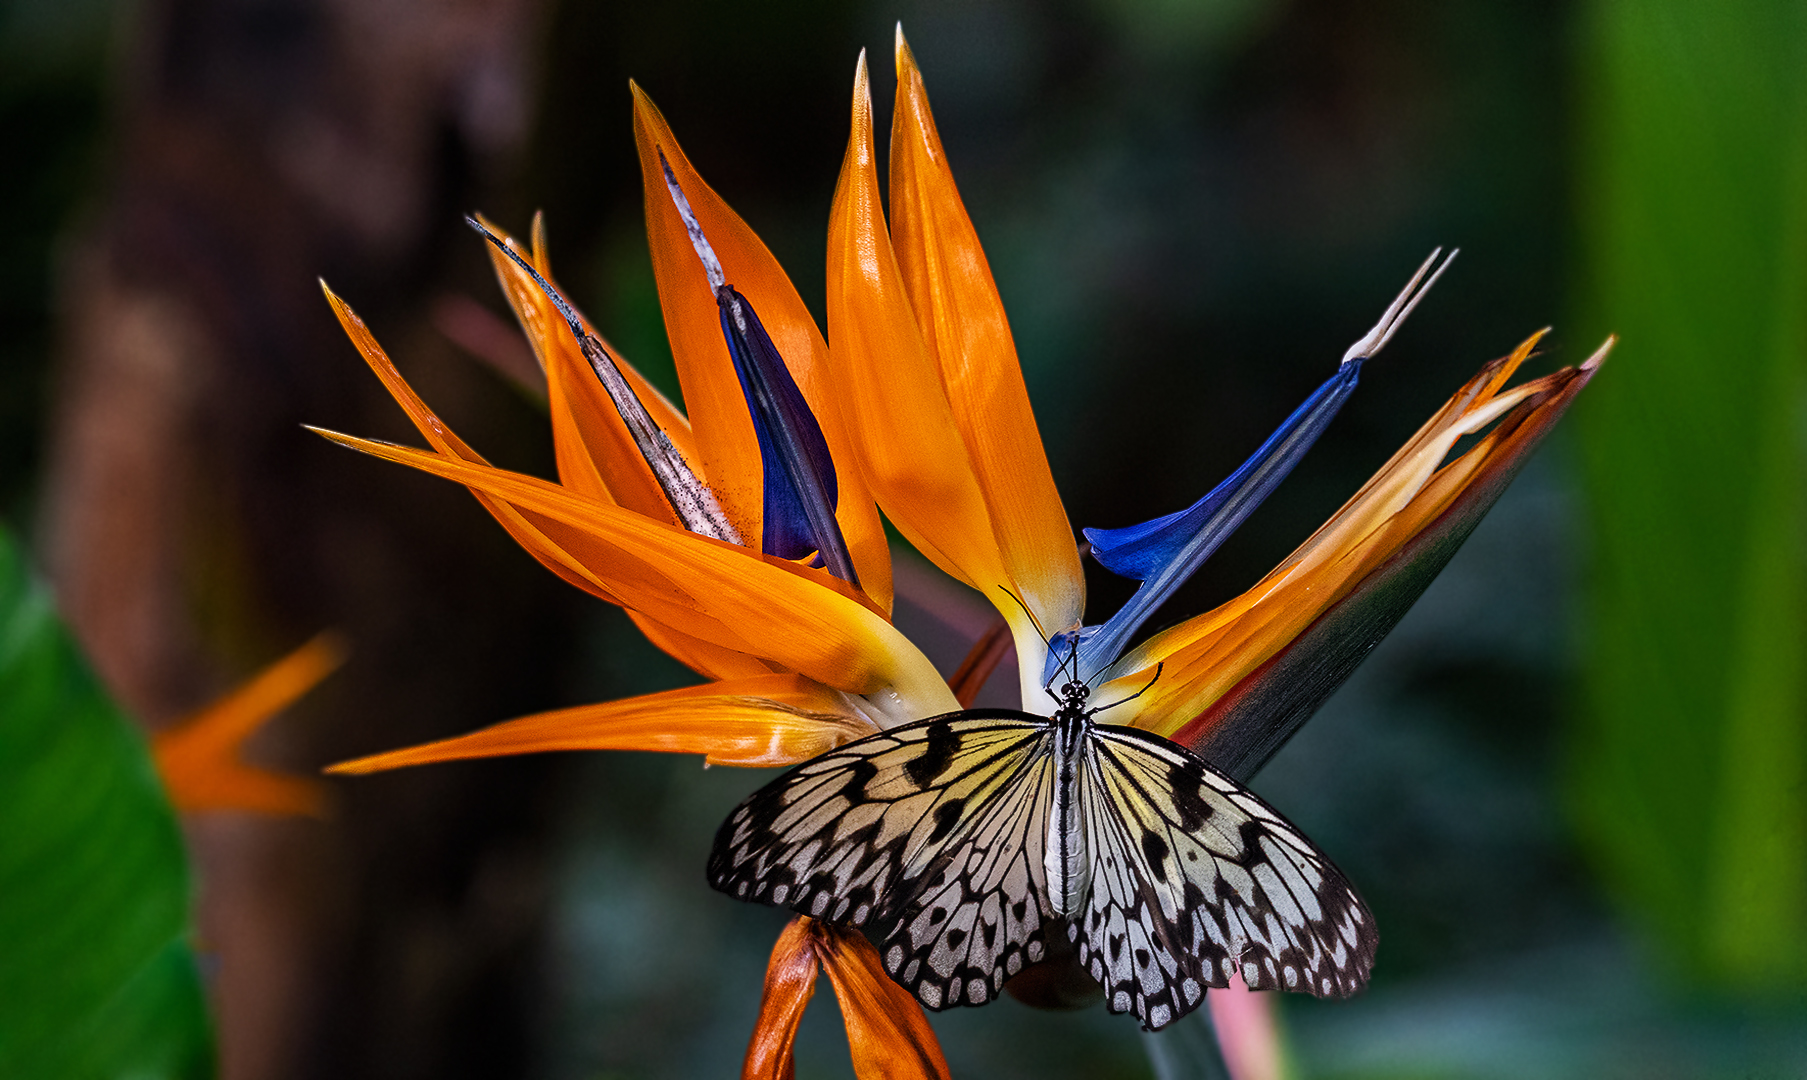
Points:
(1570, 784)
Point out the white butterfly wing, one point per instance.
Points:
(1194, 879)
(929, 836)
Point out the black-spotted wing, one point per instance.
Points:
(1195, 879)
(928, 836)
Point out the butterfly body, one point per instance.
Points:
(1064, 861)
(958, 843)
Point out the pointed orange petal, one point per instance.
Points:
(790, 981)
(1242, 726)
(799, 617)
(1394, 485)
(963, 325)
(442, 438)
(726, 444)
(531, 532)
(911, 449)
(889, 1035)
(1209, 656)
(428, 423)
(763, 720)
(706, 658)
(1403, 478)
(234, 786)
(198, 757)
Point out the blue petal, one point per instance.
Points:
(1164, 552)
(801, 491)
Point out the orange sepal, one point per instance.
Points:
(800, 618)
(726, 444)
(966, 333)
(886, 1029)
(550, 543)
(198, 757)
(911, 450)
(443, 440)
(1207, 656)
(764, 720)
(423, 417)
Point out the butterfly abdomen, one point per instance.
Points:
(1065, 861)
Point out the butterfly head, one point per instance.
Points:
(1075, 691)
(1074, 694)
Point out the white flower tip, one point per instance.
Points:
(1376, 339)
(1593, 362)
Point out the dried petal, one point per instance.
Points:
(790, 981)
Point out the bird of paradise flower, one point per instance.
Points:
(742, 534)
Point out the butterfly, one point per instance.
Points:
(959, 843)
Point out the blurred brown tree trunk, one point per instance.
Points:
(195, 532)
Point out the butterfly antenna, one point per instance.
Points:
(1039, 632)
(1068, 667)
(1137, 694)
(1033, 621)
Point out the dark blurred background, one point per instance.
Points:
(1191, 207)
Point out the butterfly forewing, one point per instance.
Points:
(929, 836)
(1196, 879)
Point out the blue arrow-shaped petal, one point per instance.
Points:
(798, 472)
(801, 491)
(1164, 552)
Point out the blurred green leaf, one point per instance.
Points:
(1690, 763)
(96, 977)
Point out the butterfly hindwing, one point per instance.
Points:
(1195, 878)
(928, 836)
